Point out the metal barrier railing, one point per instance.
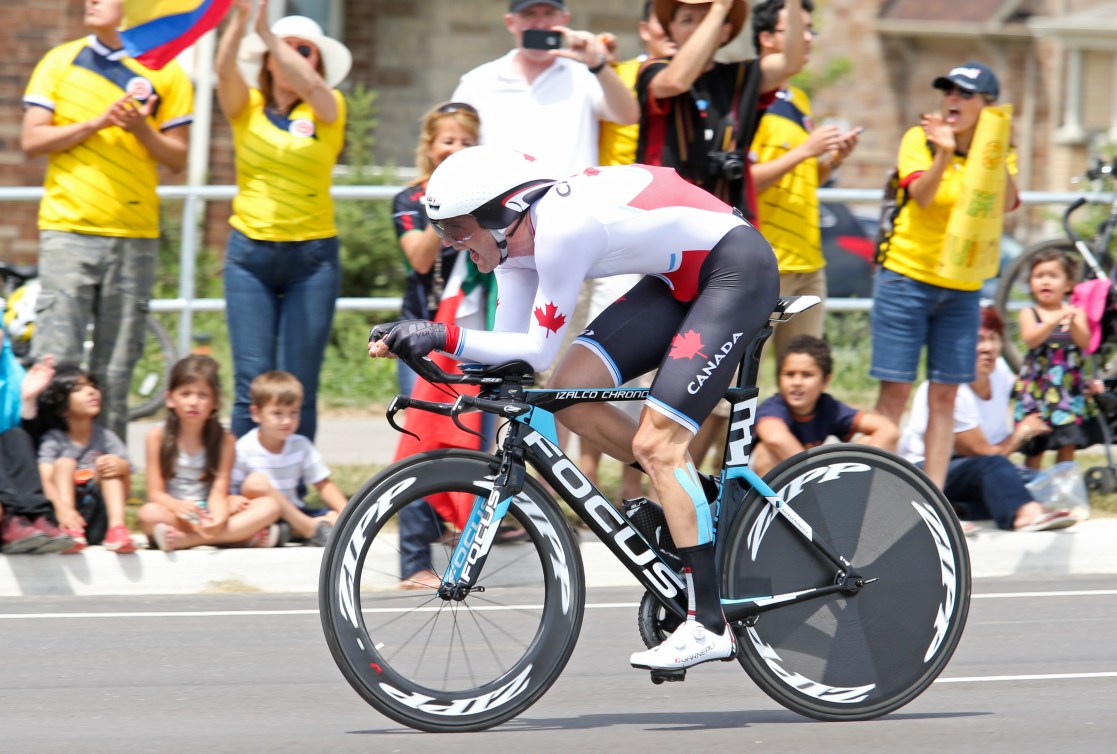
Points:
(193, 197)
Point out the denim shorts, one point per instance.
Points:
(907, 315)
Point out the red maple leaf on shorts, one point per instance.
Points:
(549, 317)
(686, 346)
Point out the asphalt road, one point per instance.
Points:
(1036, 670)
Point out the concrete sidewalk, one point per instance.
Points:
(1085, 549)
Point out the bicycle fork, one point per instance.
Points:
(479, 533)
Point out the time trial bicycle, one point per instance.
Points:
(844, 572)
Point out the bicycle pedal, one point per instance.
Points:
(668, 676)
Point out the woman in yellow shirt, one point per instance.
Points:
(282, 271)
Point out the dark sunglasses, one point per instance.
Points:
(305, 50)
(963, 93)
(457, 107)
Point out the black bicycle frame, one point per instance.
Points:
(531, 440)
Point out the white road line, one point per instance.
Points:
(591, 606)
(1045, 677)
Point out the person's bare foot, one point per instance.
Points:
(420, 580)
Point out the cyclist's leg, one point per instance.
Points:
(608, 354)
(738, 288)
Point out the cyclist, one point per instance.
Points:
(711, 283)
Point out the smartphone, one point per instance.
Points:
(541, 39)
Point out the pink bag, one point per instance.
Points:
(1095, 298)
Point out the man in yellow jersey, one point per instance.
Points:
(105, 124)
(914, 301)
(788, 169)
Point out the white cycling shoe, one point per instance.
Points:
(690, 644)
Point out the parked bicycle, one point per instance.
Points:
(18, 293)
(1094, 259)
(844, 574)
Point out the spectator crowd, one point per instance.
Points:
(741, 130)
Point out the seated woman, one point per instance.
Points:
(981, 482)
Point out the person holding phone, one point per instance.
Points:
(793, 158)
(546, 96)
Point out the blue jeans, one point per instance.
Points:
(908, 314)
(280, 299)
(419, 525)
(986, 487)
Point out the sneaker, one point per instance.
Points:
(690, 644)
(18, 535)
(57, 539)
(1049, 521)
(79, 542)
(119, 540)
(284, 533)
(321, 535)
(266, 537)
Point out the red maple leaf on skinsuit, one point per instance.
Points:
(686, 346)
(549, 318)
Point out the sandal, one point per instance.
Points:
(421, 580)
(266, 537)
(165, 536)
(1049, 521)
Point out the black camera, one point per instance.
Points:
(728, 165)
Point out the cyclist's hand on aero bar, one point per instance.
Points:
(410, 338)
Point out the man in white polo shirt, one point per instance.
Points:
(547, 103)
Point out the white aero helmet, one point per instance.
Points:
(494, 184)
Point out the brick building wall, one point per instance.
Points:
(412, 52)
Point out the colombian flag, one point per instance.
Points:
(155, 31)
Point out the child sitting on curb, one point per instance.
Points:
(189, 461)
(272, 460)
(84, 466)
(803, 415)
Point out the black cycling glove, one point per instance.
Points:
(412, 338)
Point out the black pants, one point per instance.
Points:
(21, 489)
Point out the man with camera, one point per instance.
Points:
(699, 115)
(546, 96)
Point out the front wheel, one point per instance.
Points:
(862, 653)
(447, 665)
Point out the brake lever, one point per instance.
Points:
(398, 404)
(459, 407)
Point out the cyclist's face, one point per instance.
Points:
(801, 382)
(193, 402)
(277, 421)
(85, 400)
(1049, 283)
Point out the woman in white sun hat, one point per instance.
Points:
(282, 272)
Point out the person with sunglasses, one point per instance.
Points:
(915, 302)
(277, 87)
(710, 283)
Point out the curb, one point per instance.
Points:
(1085, 549)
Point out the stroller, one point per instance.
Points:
(1097, 297)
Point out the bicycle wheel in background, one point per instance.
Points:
(152, 372)
(859, 655)
(440, 665)
(1014, 294)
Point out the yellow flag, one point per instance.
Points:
(972, 248)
